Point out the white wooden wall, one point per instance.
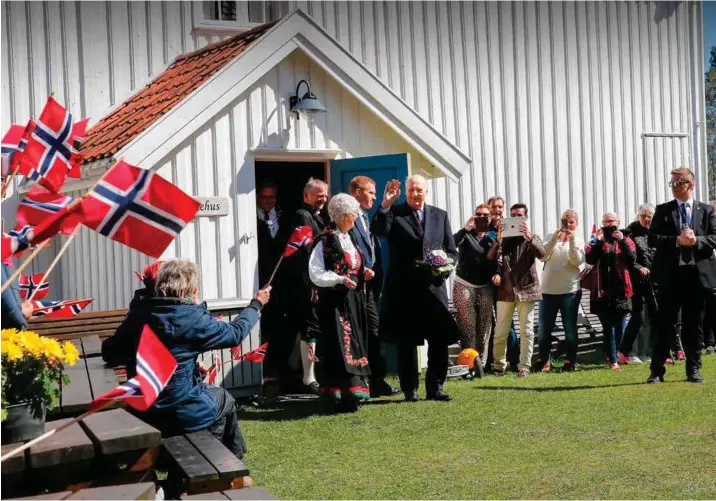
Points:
(549, 99)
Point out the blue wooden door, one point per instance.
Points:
(381, 169)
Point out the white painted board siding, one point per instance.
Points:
(550, 100)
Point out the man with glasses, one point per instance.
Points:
(362, 188)
(683, 232)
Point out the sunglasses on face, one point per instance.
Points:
(674, 184)
(479, 214)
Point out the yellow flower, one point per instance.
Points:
(12, 351)
(71, 353)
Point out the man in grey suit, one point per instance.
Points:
(362, 188)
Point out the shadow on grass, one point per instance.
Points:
(557, 388)
(287, 411)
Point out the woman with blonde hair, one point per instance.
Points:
(186, 327)
(561, 290)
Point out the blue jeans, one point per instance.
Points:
(614, 323)
(568, 306)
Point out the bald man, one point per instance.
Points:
(414, 304)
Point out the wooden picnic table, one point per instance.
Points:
(108, 445)
(144, 490)
(89, 378)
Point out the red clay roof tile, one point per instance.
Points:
(164, 92)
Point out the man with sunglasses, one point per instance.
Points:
(683, 232)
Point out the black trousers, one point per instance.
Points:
(226, 427)
(710, 320)
(408, 367)
(686, 293)
(375, 353)
(642, 303)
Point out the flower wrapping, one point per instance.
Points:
(437, 262)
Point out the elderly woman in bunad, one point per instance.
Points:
(336, 268)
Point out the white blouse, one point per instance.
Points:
(320, 276)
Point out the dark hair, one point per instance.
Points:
(267, 183)
(519, 205)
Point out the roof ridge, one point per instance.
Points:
(228, 41)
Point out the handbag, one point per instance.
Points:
(589, 277)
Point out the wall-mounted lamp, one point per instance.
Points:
(306, 105)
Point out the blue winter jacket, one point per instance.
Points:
(186, 329)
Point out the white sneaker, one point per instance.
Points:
(646, 360)
(634, 360)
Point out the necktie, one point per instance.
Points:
(421, 218)
(687, 253)
(364, 217)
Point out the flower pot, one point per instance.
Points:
(21, 424)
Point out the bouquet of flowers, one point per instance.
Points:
(437, 262)
(30, 365)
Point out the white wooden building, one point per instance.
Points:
(586, 105)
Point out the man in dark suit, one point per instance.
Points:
(414, 305)
(683, 232)
(299, 310)
(362, 188)
(272, 231)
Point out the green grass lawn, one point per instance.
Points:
(592, 434)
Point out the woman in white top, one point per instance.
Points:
(561, 289)
(336, 268)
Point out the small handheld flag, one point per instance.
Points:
(155, 367)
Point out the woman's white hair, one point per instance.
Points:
(177, 278)
(646, 209)
(342, 204)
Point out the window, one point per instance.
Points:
(244, 13)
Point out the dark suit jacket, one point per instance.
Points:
(363, 243)
(271, 248)
(666, 227)
(414, 305)
(297, 264)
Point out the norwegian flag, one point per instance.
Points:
(16, 242)
(64, 221)
(302, 235)
(214, 369)
(50, 154)
(39, 204)
(593, 238)
(59, 309)
(155, 367)
(78, 137)
(13, 142)
(138, 208)
(255, 356)
(28, 284)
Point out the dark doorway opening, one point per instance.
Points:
(290, 178)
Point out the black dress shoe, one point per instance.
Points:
(695, 377)
(314, 388)
(382, 389)
(411, 396)
(440, 396)
(655, 378)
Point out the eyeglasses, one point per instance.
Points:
(478, 214)
(674, 184)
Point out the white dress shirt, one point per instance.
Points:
(271, 220)
(319, 275)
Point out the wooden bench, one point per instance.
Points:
(112, 444)
(203, 464)
(99, 323)
(255, 493)
(144, 490)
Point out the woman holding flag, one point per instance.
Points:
(183, 324)
(336, 268)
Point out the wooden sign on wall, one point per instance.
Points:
(213, 207)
